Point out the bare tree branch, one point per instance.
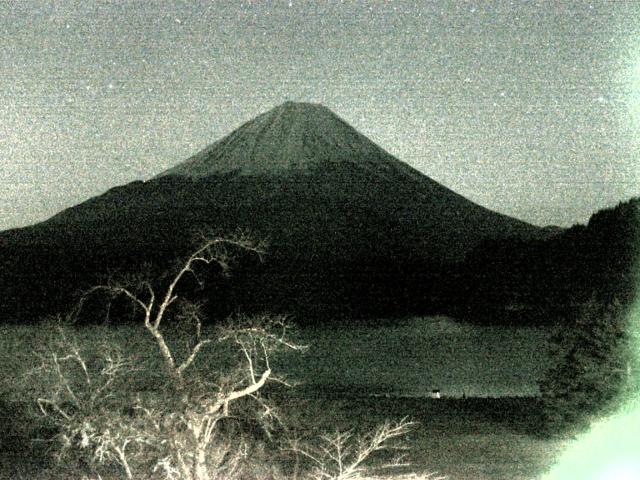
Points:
(192, 356)
(341, 456)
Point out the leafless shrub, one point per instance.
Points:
(81, 394)
(179, 436)
(344, 456)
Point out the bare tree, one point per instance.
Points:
(186, 431)
(344, 456)
(193, 428)
(143, 295)
(180, 435)
(81, 393)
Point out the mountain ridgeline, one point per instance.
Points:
(352, 231)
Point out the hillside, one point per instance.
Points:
(547, 279)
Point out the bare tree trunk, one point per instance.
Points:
(166, 353)
(201, 472)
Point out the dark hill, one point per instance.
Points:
(554, 278)
(351, 228)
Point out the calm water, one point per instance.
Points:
(422, 354)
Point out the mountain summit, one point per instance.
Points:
(291, 137)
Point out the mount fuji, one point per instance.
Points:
(348, 224)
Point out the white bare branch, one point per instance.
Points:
(254, 387)
(341, 456)
(209, 252)
(192, 356)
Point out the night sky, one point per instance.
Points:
(531, 109)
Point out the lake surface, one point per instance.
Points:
(421, 354)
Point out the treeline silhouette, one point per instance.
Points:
(541, 281)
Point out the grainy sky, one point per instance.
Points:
(531, 109)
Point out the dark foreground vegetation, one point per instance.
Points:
(171, 399)
(584, 281)
(176, 399)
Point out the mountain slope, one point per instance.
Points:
(346, 221)
(313, 166)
